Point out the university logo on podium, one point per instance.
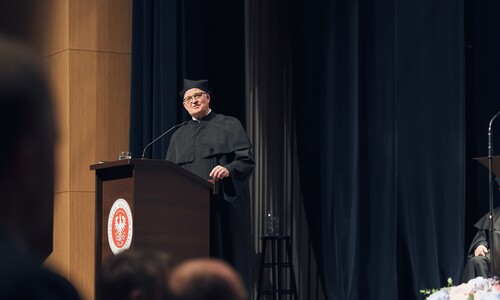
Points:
(120, 226)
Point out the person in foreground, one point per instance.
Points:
(135, 275)
(206, 279)
(478, 260)
(215, 146)
(28, 134)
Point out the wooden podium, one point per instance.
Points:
(170, 207)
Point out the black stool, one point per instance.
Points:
(277, 266)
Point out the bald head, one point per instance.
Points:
(204, 279)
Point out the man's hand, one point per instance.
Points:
(481, 250)
(219, 172)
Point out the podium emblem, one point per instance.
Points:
(120, 226)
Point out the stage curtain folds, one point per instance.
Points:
(378, 94)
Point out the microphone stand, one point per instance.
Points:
(171, 128)
(490, 182)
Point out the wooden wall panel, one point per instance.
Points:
(99, 110)
(58, 69)
(51, 33)
(82, 136)
(82, 237)
(113, 105)
(74, 241)
(59, 258)
(100, 25)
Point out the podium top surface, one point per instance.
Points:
(135, 163)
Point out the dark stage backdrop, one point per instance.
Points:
(378, 92)
(482, 27)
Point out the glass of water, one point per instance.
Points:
(125, 155)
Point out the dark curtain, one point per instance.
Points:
(378, 95)
(155, 76)
(173, 40)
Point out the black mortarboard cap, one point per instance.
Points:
(191, 84)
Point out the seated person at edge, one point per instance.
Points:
(478, 259)
(216, 146)
(28, 133)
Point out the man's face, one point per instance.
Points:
(197, 103)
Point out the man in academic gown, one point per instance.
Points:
(215, 146)
(478, 260)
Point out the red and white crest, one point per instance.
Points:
(120, 226)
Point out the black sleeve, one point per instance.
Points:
(243, 164)
(240, 170)
(481, 238)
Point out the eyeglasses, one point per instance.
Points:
(196, 96)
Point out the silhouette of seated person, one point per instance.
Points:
(28, 135)
(206, 279)
(135, 275)
(478, 260)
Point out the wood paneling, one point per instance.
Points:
(59, 259)
(113, 105)
(58, 69)
(99, 112)
(82, 131)
(100, 25)
(51, 33)
(74, 228)
(82, 239)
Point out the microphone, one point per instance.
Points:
(172, 128)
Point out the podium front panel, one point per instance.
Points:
(170, 207)
(112, 190)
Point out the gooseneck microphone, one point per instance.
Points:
(172, 128)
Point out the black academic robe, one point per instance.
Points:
(480, 265)
(199, 146)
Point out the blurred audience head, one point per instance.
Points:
(28, 134)
(135, 275)
(204, 279)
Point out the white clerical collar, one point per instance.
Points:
(209, 111)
